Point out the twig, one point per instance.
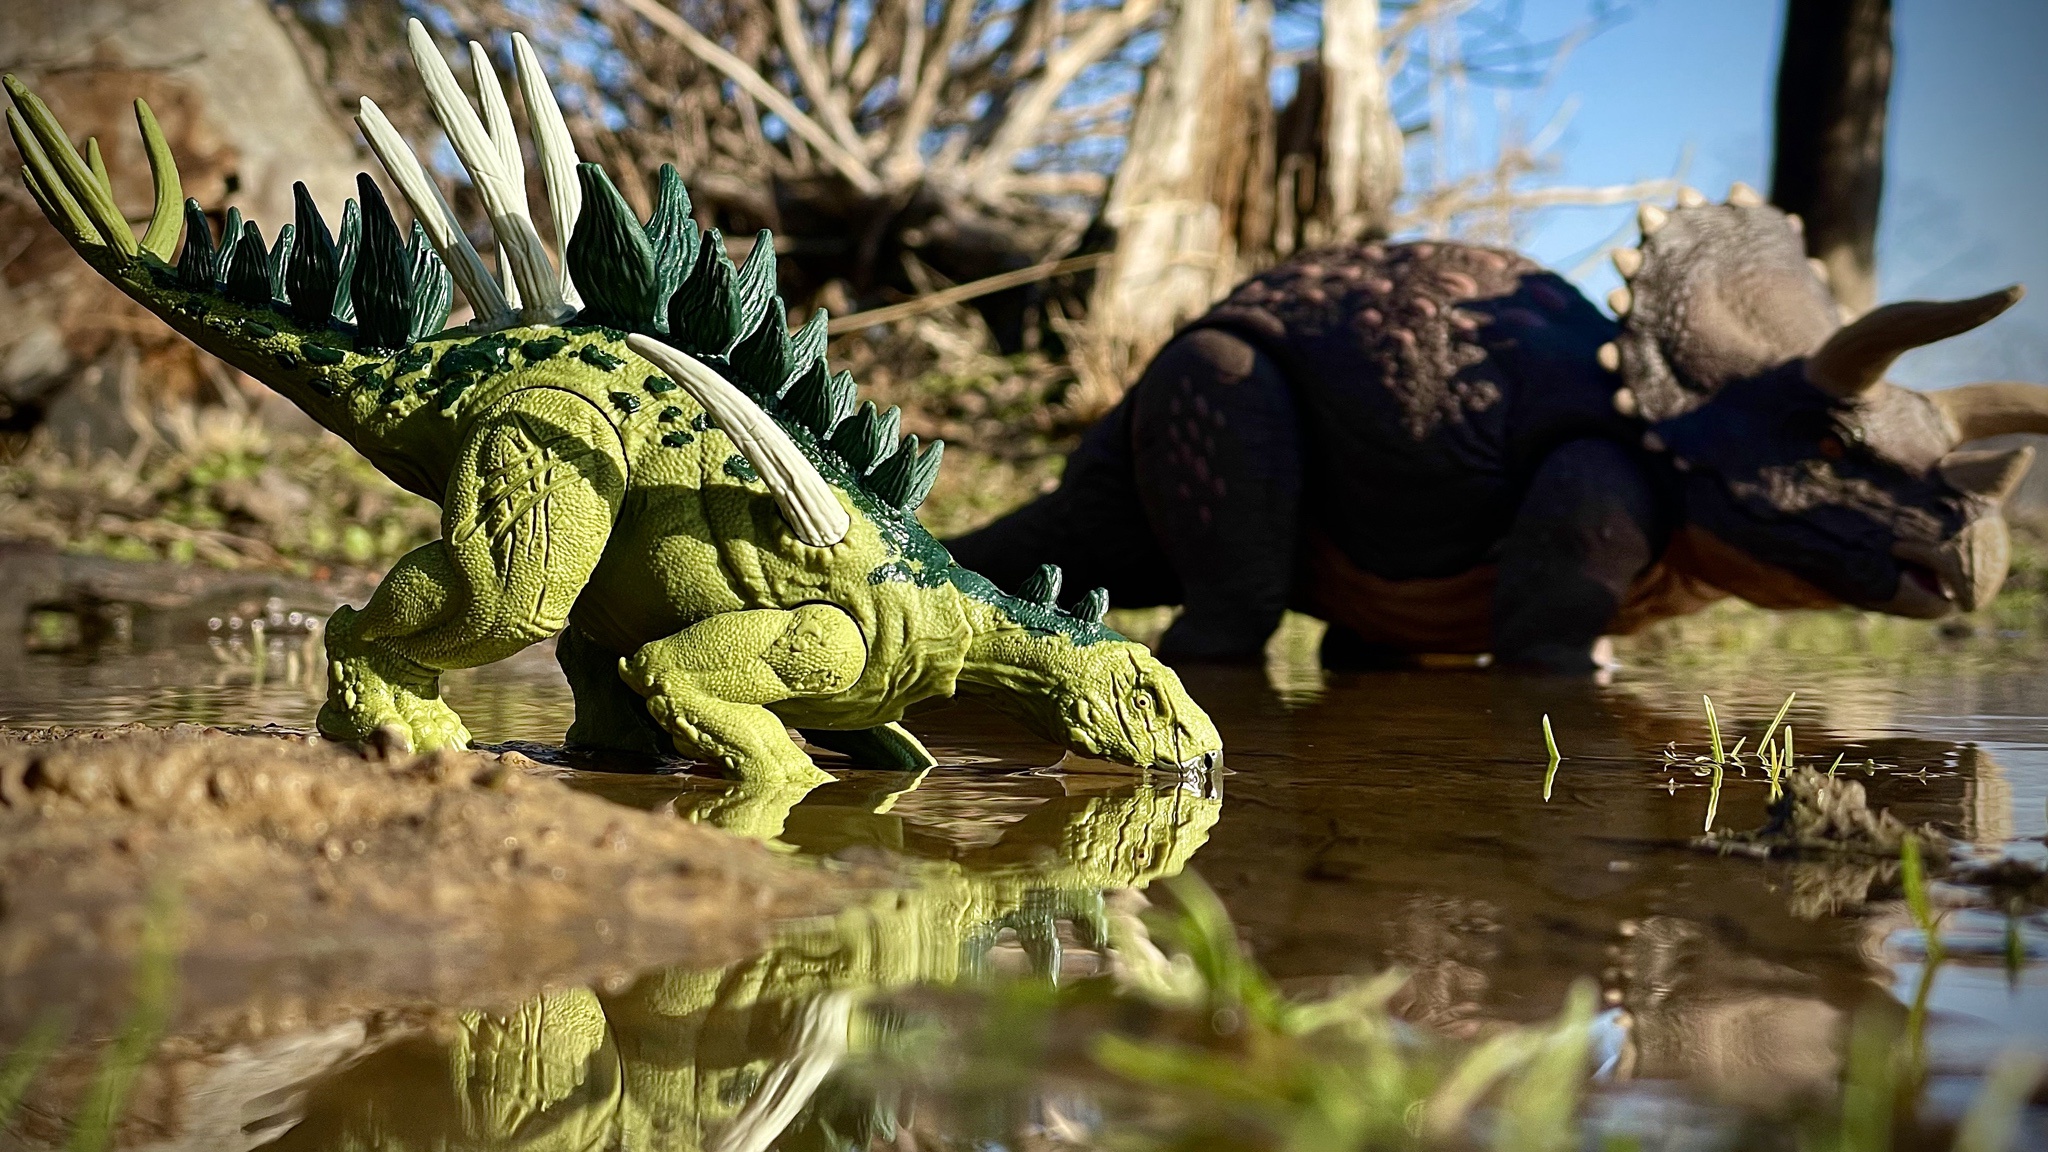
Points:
(934, 301)
(705, 49)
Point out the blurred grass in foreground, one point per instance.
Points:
(1188, 1044)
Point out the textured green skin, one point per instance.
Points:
(669, 1062)
(583, 490)
(563, 504)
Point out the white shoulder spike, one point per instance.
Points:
(443, 230)
(501, 188)
(807, 501)
(557, 151)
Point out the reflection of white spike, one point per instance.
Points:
(557, 151)
(1620, 300)
(1609, 356)
(1743, 196)
(1649, 218)
(443, 230)
(1628, 262)
(501, 189)
(806, 500)
(822, 1027)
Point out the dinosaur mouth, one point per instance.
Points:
(1923, 592)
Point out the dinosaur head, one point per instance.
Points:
(1820, 482)
(1809, 479)
(1116, 701)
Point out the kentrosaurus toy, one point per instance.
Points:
(631, 451)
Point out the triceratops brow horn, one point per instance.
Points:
(1994, 409)
(1857, 355)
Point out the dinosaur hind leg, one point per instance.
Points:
(609, 716)
(710, 684)
(529, 506)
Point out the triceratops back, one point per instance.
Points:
(1431, 378)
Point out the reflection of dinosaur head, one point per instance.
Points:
(734, 1058)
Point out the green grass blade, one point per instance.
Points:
(1992, 1124)
(19, 1070)
(1549, 742)
(1714, 729)
(155, 987)
(1714, 797)
(1777, 720)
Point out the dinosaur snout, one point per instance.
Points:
(1973, 564)
(1963, 572)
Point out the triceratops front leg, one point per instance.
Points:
(527, 513)
(710, 684)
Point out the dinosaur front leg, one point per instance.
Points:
(530, 504)
(710, 684)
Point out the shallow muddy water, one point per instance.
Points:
(1366, 821)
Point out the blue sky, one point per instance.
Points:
(1966, 183)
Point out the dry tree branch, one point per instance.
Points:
(901, 163)
(796, 46)
(704, 48)
(1021, 127)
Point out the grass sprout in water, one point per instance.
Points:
(1550, 774)
(1202, 1049)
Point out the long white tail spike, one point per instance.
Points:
(501, 188)
(557, 151)
(807, 501)
(431, 209)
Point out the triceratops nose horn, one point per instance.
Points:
(1856, 356)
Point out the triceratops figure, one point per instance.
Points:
(630, 449)
(1439, 447)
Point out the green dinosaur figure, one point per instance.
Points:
(757, 1053)
(631, 450)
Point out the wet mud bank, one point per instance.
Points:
(307, 884)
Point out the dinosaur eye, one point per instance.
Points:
(1831, 447)
(1145, 701)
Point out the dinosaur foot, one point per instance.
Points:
(374, 697)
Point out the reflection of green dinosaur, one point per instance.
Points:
(734, 1058)
(665, 471)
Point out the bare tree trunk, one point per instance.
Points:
(1833, 80)
(1361, 170)
(244, 118)
(1175, 202)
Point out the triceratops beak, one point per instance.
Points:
(1973, 564)
(1970, 567)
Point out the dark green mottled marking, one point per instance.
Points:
(537, 350)
(259, 330)
(625, 402)
(598, 358)
(286, 360)
(321, 354)
(657, 385)
(414, 358)
(671, 414)
(736, 466)
(676, 439)
(390, 394)
(701, 422)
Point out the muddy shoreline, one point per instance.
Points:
(313, 884)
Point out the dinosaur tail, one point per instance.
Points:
(305, 314)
